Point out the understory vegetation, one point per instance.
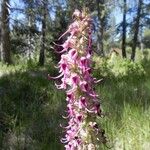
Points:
(32, 108)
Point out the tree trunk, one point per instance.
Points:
(141, 39)
(100, 33)
(29, 38)
(0, 37)
(136, 29)
(102, 36)
(43, 38)
(124, 30)
(5, 37)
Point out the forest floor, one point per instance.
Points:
(31, 110)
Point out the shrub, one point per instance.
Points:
(119, 68)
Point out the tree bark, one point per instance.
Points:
(0, 36)
(29, 51)
(102, 36)
(43, 37)
(136, 30)
(100, 33)
(5, 32)
(124, 24)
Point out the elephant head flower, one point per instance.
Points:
(82, 132)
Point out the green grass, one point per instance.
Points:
(31, 110)
(127, 121)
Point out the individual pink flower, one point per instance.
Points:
(77, 13)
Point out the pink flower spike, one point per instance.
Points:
(68, 44)
(98, 81)
(70, 96)
(83, 106)
(63, 34)
(73, 28)
(73, 54)
(63, 67)
(75, 79)
(59, 52)
(49, 77)
(84, 86)
(77, 13)
(79, 118)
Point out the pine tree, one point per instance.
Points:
(5, 32)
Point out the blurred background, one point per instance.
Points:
(31, 108)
